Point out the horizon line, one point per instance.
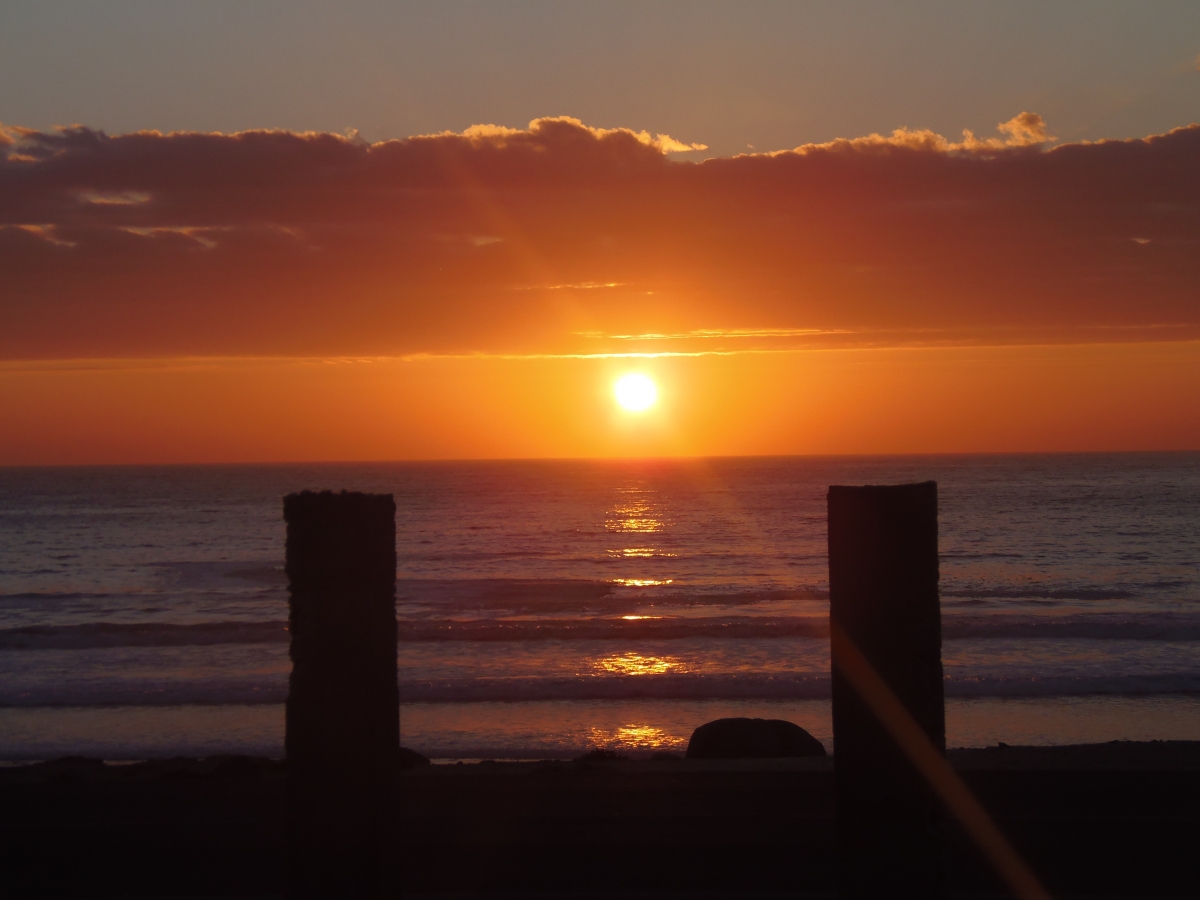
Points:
(603, 459)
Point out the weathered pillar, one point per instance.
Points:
(343, 710)
(883, 601)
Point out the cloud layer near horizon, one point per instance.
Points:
(567, 239)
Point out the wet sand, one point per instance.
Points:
(1110, 820)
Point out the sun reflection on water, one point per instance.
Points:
(635, 737)
(636, 514)
(642, 582)
(637, 664)
(643, 524)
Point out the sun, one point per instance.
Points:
(635, 392)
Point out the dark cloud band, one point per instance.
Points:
(563, 238)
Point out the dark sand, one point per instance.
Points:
(1110, 820)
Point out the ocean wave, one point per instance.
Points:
(98, 635)
(666, 628)
(102, 694)
(1145, 627)
(157, 634)
(564, 595)
(771, 687)
(44, 596)
(1039, 593)
(586, 687)
(47, 598)
(1075, 685)
(712, 686)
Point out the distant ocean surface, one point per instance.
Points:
(548, 607)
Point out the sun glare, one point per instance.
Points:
(635, 392)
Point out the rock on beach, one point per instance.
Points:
(742, 738)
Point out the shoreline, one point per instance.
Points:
(1120, 755)
(565, 729)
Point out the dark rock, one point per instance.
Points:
(742, 738)
(411, 759)
(796, 741)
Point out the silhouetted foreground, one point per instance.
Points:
(884, 612)
(1118, 820)
(343, 709)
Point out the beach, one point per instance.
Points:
(1109, 820)
(548, 609)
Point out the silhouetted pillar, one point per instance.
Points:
(883, 599)
(343, 710)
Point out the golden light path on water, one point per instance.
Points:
(636, 514)
(634, 737)
(634, 521)
(637, 664)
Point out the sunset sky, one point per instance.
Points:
(258, 232)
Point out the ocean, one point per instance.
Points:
(550, 607)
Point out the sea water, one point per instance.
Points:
(548, 607)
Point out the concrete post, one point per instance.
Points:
(343, 710)
(883, 599)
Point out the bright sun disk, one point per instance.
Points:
(635, 392)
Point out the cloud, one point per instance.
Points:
(121, 198)
(718, 334)
(668, 144)
(1024, 130)
(494, 240)
(47, 233)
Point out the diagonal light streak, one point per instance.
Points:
(946, 783)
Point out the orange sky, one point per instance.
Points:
(280, 296)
